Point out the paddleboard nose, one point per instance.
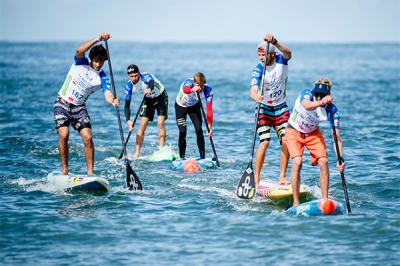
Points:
(191, 166)
(327, 206)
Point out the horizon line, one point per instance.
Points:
(205, 42)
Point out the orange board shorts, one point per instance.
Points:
(314, 142)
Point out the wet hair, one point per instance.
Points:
(132, 69)
(201, 77)
(98, 50)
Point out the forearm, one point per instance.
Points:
(109, 97)
(287, 53)
(311, 105)
(254, 92)
(127, 110)
(84, 47)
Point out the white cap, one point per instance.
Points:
(263, 44)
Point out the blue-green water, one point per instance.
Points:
(197, 218)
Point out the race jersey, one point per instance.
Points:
(275, 80)
(306, 121)
(143, 84)
(82, 80)
(189, 99)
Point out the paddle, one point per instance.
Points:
(339, 158)
(247, 185)
(208, 129)
(130, 132)
(132, 180)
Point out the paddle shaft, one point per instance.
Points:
(208, 129)
(119, 121)
(115, 95)
(258, 107)
(130, 132)
(339, 158)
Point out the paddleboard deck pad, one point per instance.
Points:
(192, 165)
(78, 183)
(317, 207)
(275, 191)
(164, 154)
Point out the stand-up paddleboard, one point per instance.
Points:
(78, 183)
(192, 165)
(275, 191)
(164, 154)
(317, 207)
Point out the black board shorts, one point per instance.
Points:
(159, 103)
(66, 114)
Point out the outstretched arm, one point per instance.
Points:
(84, 47)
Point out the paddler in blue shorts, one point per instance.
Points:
(155, 98)
(274, 112)
(84, 78)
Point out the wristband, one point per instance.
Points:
(98, 39)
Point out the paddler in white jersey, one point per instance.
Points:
(83, 78)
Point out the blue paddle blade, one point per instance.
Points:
(247, 186)
(132, 180)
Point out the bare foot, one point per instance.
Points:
(283, 181)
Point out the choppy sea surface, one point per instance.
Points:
(196, 219)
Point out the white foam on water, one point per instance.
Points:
(38, 184)
(227, 160)
(115, 161)
(224, 193)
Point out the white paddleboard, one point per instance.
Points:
(78, 183)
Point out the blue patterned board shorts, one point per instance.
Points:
(66, 114)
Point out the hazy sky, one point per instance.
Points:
(201, 20)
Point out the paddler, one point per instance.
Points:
(155, 98)
(274, 112)
(84, 77)
(312, 107)
(188, 103)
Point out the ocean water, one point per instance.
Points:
(196, 219)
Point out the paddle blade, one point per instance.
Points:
(247, 185)
(132, 180)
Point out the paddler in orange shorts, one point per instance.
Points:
(312, 107)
